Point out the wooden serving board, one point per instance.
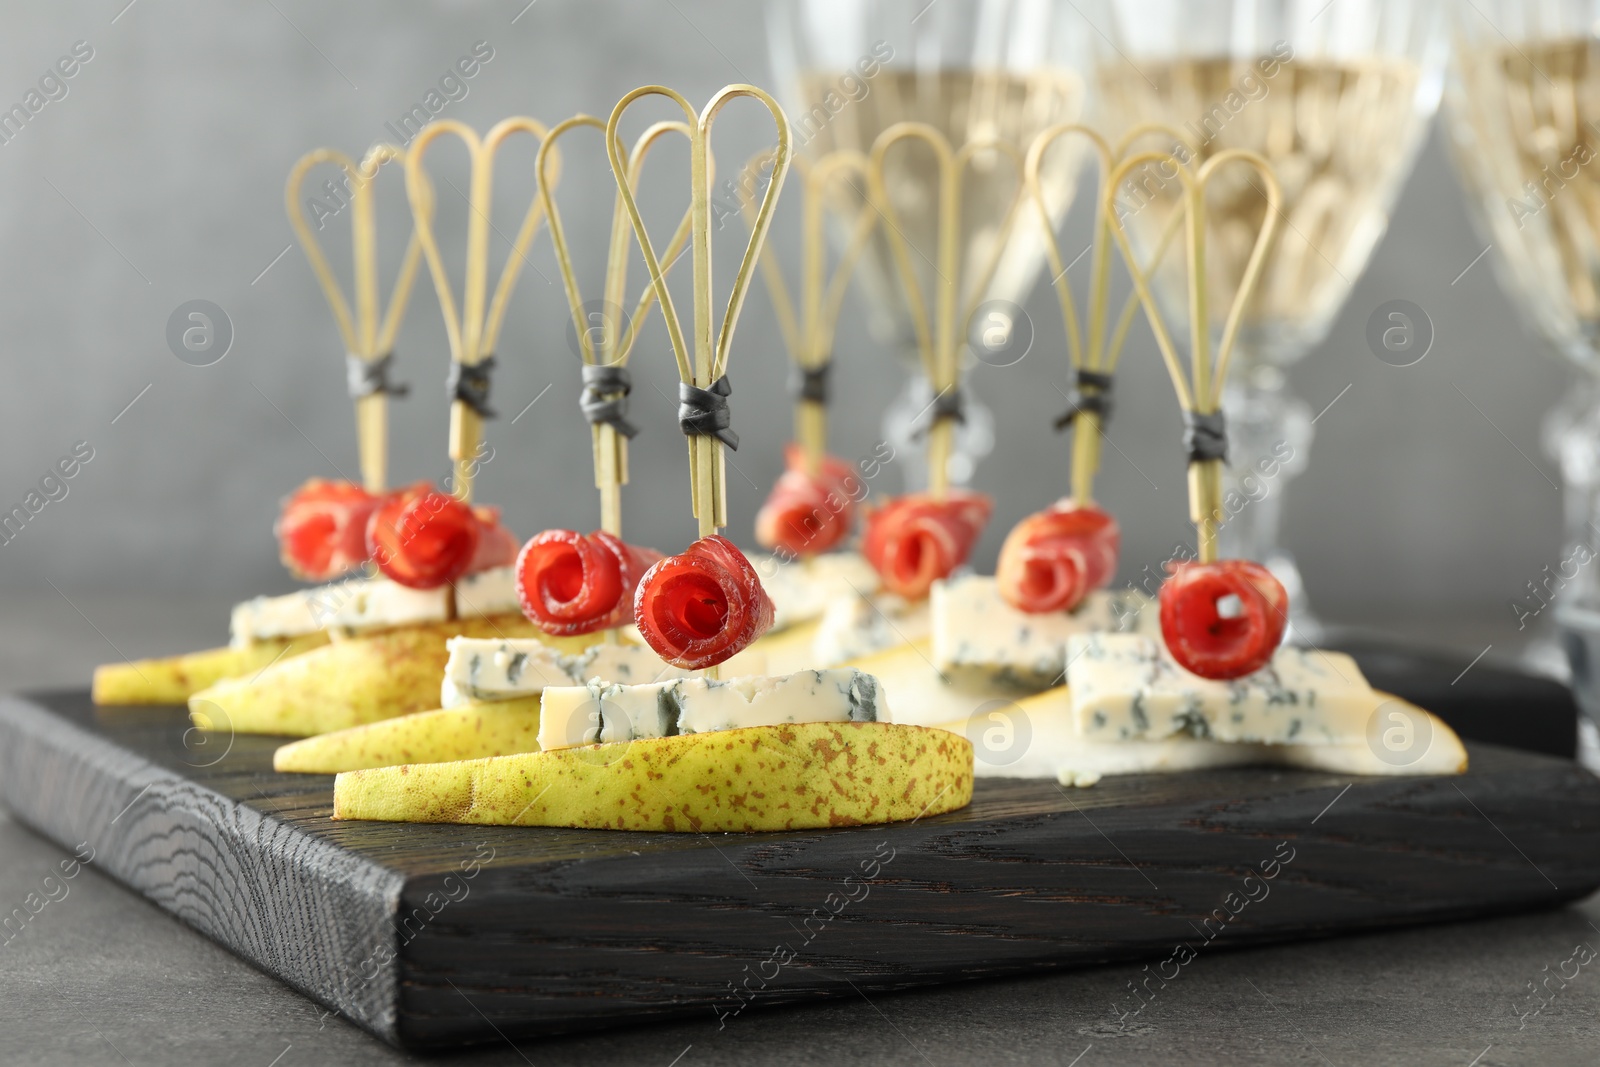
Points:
(440, 935)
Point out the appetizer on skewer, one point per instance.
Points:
(574, 586)
(1215, 688)
(810, 513)
(569, 584)
(1010, 632)
(915, 539)
(700, 753)
(442, 567)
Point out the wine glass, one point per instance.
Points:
(1337, 97)
(975, 70)
(1524, 93)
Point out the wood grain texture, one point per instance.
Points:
(438, 935)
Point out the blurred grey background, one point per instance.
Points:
(158, 179)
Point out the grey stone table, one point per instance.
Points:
(98, 976)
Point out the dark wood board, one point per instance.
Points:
(562, 930)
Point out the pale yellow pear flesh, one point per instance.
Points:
(174, 679)
(347, 683)
(790, 777)
(472, 731)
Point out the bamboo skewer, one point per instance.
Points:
(610, 447)
(369, 334)
(1204, 397)
(809, 337)
(1096, 353)
(474, 329)
(939, 342)
(704, 361)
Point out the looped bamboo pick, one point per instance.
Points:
(939, 342)
(474, 329)
(1201, 401)
(1097, 354)
(704, 365)
(368, 335)
(809, 337)
(610, 445)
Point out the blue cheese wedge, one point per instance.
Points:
(263, 618)
(360, 605)
(481, 670)
(606, 712)
(980, 639)
(1127, 687)
(1037, 738)
(860, 625)
(802, 589)
(489, 592)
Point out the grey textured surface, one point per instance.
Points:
(158, 180)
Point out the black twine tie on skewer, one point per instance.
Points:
(810, 383)
(948, 403)
(704, 412)
(1091, 394)
(370, 377)
(469, 383)
(1205, 436)
(605, 397)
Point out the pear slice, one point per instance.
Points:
(471, 731)
(790, 777)
(347, 683)
(174, 679)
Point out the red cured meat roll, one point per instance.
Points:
(699, 608)
(1053, 558)
(322, 529)
(914, 540)
(806, 514)
(571, 583)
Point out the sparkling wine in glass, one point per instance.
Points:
(1337, 98)
(1524, 98)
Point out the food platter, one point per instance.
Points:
(430, 936)
(473, 786)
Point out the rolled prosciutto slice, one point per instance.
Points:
(1053, 558)
(698, 608)
(1225, 619)
(322, 529)
(806, 514)
(914, 540)
(423, 538)
(497, 546)
(571, 583)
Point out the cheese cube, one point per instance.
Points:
(858, 626)
(1126, 686)
(490, 592)
(604, 712)
(843, 695)
(802, 589)
(487, 669)
(601, 712)
(361, 604)
(981, 639)
(480, 669)
(263, 618)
